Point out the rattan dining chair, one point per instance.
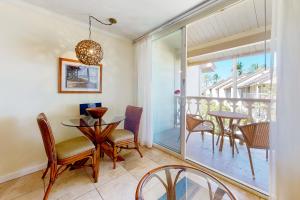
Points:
(256, 136)
(195, 123)
(63, 155)
(127, 138)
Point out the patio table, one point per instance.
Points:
(220, 117)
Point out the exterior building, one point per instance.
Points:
(250, 85)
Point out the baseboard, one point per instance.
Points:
(22, 172)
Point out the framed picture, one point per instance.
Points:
(75, 77)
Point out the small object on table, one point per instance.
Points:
(173, 182)
(97, 112)
(84, 106)
(220, 116)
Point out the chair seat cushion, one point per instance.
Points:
(202, 127)
(73, 147)
(239, 135)
(119, 135)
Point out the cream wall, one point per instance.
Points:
(31, 40)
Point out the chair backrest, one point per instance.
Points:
(192, 121)
(48, 139)
(256, 135)
(132, 120)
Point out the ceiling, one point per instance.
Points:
(235, 31)
(135, 17)
(251, 49)
(239, 18)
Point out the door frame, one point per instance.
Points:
(183, 63)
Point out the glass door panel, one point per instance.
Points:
(166, 90)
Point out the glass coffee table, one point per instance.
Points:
(178, 182)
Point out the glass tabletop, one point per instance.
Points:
(177, 182)
(229, 115)
(87, 121)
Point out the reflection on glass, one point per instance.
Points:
(166, 59)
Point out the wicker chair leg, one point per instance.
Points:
(46, 171)
(189, 133)
(53, 175)
(49, 187)
(232, 147)
(236, 147)
(213, 142)
(218, 139)
(251, 163)
(202, 134)
(267, 154)
(138, 149)
(115, 156)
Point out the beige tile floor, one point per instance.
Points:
(118, 184)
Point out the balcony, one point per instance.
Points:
(199, 147)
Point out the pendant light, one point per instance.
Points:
(88, 51)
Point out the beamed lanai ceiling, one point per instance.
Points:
(234, 31)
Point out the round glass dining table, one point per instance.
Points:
(178, 182)
(93, 127)
(87, 121)
(97, 130)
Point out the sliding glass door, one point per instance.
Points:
(168, 64)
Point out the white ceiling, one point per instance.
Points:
(242, 17)
(135, 17)
(250, 49)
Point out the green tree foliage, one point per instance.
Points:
(215, 78)
(239, 68)
(207, 80)
(255, 67)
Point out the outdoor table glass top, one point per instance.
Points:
(228, 115)
(173, 182)
(87, 121)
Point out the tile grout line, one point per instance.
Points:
(79, 195)
(99, 194)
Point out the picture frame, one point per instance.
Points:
(75, 77)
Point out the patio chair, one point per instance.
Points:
(124, 138)
(195, 123)
(256, 136)
(63, 155)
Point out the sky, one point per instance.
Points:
(223, 68)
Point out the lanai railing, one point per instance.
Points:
(256, 109)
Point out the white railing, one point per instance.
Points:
(256, 109)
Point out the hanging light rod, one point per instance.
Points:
(111, 22)
(88, 51)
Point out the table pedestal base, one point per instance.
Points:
(108, 150)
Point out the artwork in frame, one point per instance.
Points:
(75, 77)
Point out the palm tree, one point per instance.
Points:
(239, 68)
(207, 79)
(255, 67)
(216, 77)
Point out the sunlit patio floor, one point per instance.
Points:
(238, 167)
